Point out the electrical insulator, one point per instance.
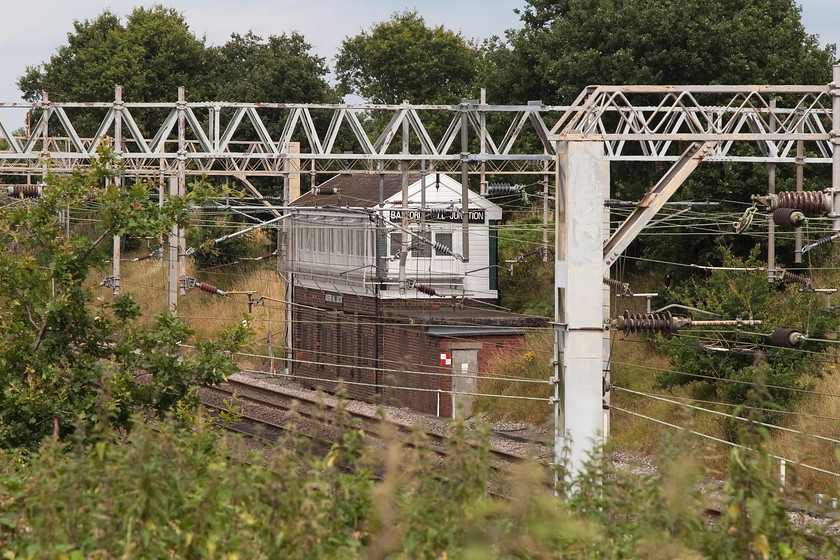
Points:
(325, 191)
(209, 288)
(819, 243)
(788, 217)
(25, 191)
(441, 248)
(424, 289)
(812, 203)
(502, 189)
(662, 323)
(798, 278)
(787, 338)
(622, 287)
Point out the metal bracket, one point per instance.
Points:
(654, 200)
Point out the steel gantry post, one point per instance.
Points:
(118, 108)
(182, 187)
(173, 282)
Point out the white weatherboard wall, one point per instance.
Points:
(446, 273)
(335, 249)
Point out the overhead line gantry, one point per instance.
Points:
(680, 124)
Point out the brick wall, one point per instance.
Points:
(338, 340)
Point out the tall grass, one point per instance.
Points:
(635, 362)
(209, 314)
(532, 364)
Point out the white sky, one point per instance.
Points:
(31, 33)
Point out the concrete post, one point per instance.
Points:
(835, 135)
(465, 181)
(118, 109)
(582, 179)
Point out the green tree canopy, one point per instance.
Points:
(67, 358)
(403, 59)
(152, 54)
(279, 70)
(565, 45)
(155, 52)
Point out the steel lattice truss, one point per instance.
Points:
(749, 123)
(646, 122)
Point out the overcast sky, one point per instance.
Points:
(31, 33)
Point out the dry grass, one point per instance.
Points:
(817, 414)
(641, 435)
(532, 363)
(209, 314)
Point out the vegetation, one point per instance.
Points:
(564, 46)
(169, 492)
(520, 244)
(66, 357)
(402, 59)
(745, 295)
(526, 377)
(155, 52)
(83, 475)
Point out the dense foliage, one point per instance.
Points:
(520, 244)
(565, 45)
(172, 493)
(712, 362)
(402, 59)
(155, 52)
(67, 356)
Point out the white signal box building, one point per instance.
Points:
(345, 238)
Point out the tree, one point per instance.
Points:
(67, 359)
(565, 45)
(402, 59)
(697, 357)
(150, 56)
(279, 70)
(155, 52)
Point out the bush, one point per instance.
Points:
(175, 493)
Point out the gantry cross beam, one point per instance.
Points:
(636, 123)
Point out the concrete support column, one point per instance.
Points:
(835, 133)
(582, 180)
(118, 141)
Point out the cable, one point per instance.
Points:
(726, 380)
(721, 440)
(386, 370)
(701, 409)
(746, 407)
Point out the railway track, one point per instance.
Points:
(271, 408)
(267, 417)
